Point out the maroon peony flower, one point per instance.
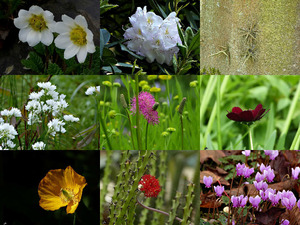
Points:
(239, 115)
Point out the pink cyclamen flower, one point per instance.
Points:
(288, 199)
(274, 198)
(272, 153)
(295, 173)
(265, 194)
(248, 171)
(284, 222)
(259, 177)
(298, 204)
(255, 201)
(207, 181)
(260, 185)
(239, 201)
(146, 102)
(219, 190)
(262, 167)
(240, 169)
(269, 174)
(246, 152)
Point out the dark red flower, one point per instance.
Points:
(239, 115)
(149, 185)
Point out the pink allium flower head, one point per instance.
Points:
(295, 173)
(284, 222)
(272, 153)
(146, 102)
(219, 190)
(207, 181)
(255, 201)
(246, 152)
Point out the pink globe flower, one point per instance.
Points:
(146, 102)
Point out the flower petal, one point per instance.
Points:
(33, 38)
(61, 28)
(23, 34)
(237, 110)
(91, 47)
(47, 37)
(68, 20)
(233, 116)
(256, 110)
(246, 116)
(20, 23)
(81, 55)
(72, 207)
(23, 13)
(71, 51)
(62, 41)
(35, 9)
(80, 20)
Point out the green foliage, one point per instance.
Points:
(54, 69)
(8, 7)
(188, 205)
(34, 62)
(105, 6)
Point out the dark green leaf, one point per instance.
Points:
(35, 63)
(124, 48)
(54, 69)
(174, 63)
(181, 35)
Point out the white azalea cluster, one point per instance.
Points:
(92, 90)
(152, 37)
(48, 101)
(37, 25)
(39, 146)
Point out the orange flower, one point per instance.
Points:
(61, 188)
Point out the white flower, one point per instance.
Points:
(39, 146)
(36, 25)
(75, 37)
(153, 37)
(1, 120)
(13, 112)
(36, 96)
(71, 118)
(47, 86)
(56, 125)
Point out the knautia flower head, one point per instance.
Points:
(207, 181)
(36, 25)
(171, 129)
(239, 201)
(219, 190)
(152, 37)
(39, 146)
(271, 153)
(246, 152)
(295, 173)
(149, 185)
(255, 201)
(165, 134)
(146, 102)
(75, 37)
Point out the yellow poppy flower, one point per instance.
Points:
(61, 188)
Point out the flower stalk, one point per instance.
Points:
(250, 137)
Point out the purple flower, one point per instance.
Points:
(219, 190)
(272, 153)
(240, 169)
(260, 185)
(207, 181)
(284, 222)
(248, 171)
(255, 201)
(295, 173)
(246, 152)
(288, 199)
(262, 167)
(269, 174)
(259, 177)
(298, 204)
(239, 201)
(274, 198)
(265, 194)
(146, 102)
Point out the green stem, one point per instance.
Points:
(168, 90)
(250, 138)
(105, 132)
(138, 112)
(181, 121)
(219, 112)
(74, 219)
(130, 126)
(146, 136)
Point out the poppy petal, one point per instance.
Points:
(237, 110)
(246, 116)
(233, 116)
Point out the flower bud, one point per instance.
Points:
(181, 106)
(123, 101)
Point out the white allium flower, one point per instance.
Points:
(75, 37)
(5, 112)
(56, 125)
(71, 118)
(36, 25)
(153, 37)
(1, 120)
(98, 88)
(13, 112)
(33, 118)
(34, 106)
(91, 90)
(10, 144)
(47, 86)
(39, 146)
(7, 131)
(36, 96)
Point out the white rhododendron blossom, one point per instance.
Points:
(152, 37)
(92, 90)
(36, 25)
(75, 37)
(39, 146)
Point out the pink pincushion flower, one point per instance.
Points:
(146, 102)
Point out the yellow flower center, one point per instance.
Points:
(157, 42)
(78, 36)
(150, 21)
(67, 195)
(37, 22)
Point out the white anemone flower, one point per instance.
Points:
(36, 25)
(75, 37)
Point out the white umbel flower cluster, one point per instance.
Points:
(92, 90)
(39, 146)
(12, 112)
(7, 134)
(48, 101)
(152, 37)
